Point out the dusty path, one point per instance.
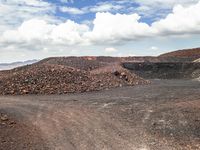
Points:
(162, 116)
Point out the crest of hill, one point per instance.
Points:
(187, 53)
(89, 63)
(86, 63)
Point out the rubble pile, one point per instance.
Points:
(115, 72)
(52, 78)
(44, 79)
(118, 79)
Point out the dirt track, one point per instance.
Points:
(162, 116)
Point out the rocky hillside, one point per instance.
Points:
(186, 53)
(165, 70)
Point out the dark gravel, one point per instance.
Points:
(161, 116)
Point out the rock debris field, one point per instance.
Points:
(163, 115)
(66, 75)
(93, 103)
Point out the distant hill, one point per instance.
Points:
(190, 53)
(8, 66)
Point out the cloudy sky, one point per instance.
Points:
(35, 29)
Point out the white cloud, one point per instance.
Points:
(112, 28)
(99, 7)
(110, 50)
(165, 3)
(117, 28)
(36, 3)
(72, 10)
(14, 12)
(69, 33)
(105, 7)
(39, 31)
(29, 30)
(40, 34)
(183, 20)
(154, 9)
(67, 1)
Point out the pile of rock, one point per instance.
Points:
(118, 79)
(49, 78)
(44, 79)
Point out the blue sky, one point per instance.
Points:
(126, 8)
(35, 29)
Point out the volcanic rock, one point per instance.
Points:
(57, 76)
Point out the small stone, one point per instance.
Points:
(12, 123)
(4, 118)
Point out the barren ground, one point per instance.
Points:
(164, 115)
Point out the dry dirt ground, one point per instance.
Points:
(164, 115)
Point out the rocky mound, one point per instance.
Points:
(43, 79)
(190, 53)
(117, 78)
(48, 78)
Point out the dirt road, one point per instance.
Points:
(162, 116)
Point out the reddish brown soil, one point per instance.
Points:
(184, 53)
(164, 115)
(18, 135)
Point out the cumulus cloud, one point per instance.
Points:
(112, 28)
(183, 20)
(116, 28)
(29, 30)
(107, 28)
(68, 33)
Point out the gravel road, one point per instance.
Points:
(164, 115)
